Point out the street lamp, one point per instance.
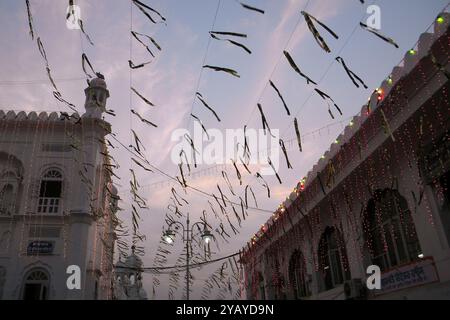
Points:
(169, 237)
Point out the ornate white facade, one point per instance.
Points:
(380, 196)
(57, 202)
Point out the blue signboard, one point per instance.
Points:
(40, 247)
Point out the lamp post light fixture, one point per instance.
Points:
(206, 236)
(168, 236)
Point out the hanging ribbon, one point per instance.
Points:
(283, 148)
(246, 6)
(309, 20)
(222, 69)
(295, 67)
(375, 32)
(297, 133)
(351, 74)
(143, 119)
(200, 97)
(238, 44)
(280, 96)
(203, 127)
(325, 97)
(265, 124)
(142, 97)
(264, 184)
(144, 8)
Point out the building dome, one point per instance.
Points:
(98, 82)
(133, 260)
(121, 267)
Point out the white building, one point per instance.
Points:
(380, 196)
(128, 279)
(57, 202)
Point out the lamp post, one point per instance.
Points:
(169, 235)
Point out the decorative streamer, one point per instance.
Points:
(183, 180)
(182, 152)
(227, 33)
(84, 59)
(283, 148)
(281, 97)
(176, 195)
(351, 74)
(297, 133)
(141, 165)
(137, 141)
(325, 97)
(227, 70)
(264, 184)
(238, 174)
(253, 194)
(143, 7)
(439, 66)
(375, 32)
(387, 126)
(80, 23)
(238, 44)
(203, 127)
(133, 66)
(245, 166)
(295, 67)
(58, 97)
(320, 183)
(330, 174)
(191, 143)
(246, 147)
(30, 19)
(135, 35)
(142, 97)
(222, 196)
(265, 124)
(246, 6)
(309, 20)
(200, 97)
(275, 171)
(225, 177)
(143, 119)
(152, 40)
(238, 218)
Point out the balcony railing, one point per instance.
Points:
(48, 205)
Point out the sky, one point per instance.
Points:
(175, 74)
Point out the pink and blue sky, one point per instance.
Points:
(170, 81)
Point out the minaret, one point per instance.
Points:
(128, 281)
(96, 95)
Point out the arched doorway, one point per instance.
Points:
(389, 231)
(298, 277)
(36, 285)
(333, 263)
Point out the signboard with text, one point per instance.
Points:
(40, 247)
(410, 275)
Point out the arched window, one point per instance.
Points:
(50, 192)
(298, 276)
(333, 263)
(389, 231)
(7, 199)
(36, 285)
